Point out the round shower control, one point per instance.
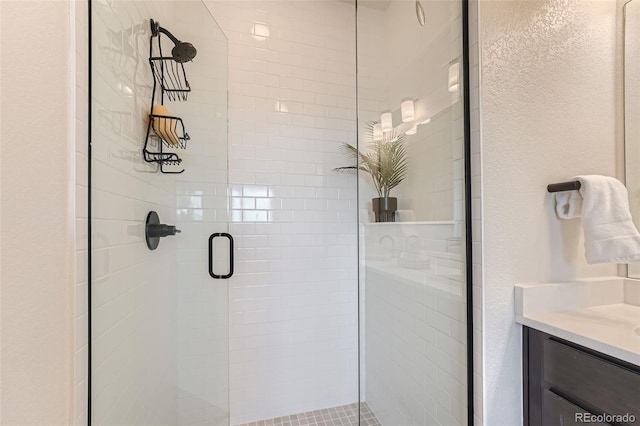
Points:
(154, 230)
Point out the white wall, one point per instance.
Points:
(36, 237)
(548, 112)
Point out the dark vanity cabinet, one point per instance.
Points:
(566, 384)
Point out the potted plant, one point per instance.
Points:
(386, 163)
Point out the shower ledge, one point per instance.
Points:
(602, 314)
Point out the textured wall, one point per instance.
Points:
(548, 112)
(80, 9)
(37, 209)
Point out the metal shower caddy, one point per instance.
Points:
(169, 73)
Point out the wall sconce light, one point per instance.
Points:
(260, 31)
(411, 131)
(454, 76)
(377, 132)
(386, 121)
(407, 110)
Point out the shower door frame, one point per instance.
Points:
(89, 203)
(467, 208)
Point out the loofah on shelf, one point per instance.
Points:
(165, 126)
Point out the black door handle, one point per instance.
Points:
(211, 238)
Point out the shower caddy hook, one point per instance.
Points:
(169, 73)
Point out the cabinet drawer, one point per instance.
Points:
(557, 411)
(596, 382)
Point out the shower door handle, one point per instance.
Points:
(211, 238)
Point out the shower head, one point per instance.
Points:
(182, 51)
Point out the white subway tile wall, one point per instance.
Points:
(294, 296)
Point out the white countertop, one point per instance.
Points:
(600, 314)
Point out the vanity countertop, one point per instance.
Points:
(601, 314)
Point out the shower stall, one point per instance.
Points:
(237, 274)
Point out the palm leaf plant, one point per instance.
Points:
(386, 162)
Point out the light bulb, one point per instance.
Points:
(408, 114)
(377, 132)
(386, 121)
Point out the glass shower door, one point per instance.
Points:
(159, 319)
(413, 231)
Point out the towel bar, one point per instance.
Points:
(564, 186)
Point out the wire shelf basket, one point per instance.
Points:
(165, 158)
(171, 76)
(160, 157)
(170, 130)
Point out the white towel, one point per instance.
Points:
(568, 204)
(609, 233)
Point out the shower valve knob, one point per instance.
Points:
(154, 230)
(161, 230)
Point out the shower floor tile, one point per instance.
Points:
(345, 415)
